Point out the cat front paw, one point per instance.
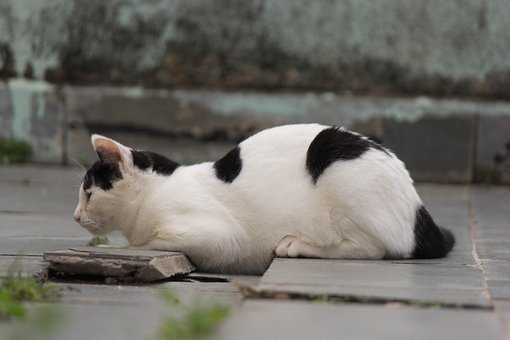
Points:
(288, 247)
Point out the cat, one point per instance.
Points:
(304, 190)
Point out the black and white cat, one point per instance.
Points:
(304, 190)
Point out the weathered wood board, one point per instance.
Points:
(119, 263)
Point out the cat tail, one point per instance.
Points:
(431, 241)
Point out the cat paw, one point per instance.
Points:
(288, 247)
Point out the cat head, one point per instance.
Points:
(113, 182)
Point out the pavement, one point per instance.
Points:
(466, 295)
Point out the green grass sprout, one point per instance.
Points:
(16, 289)
(98, 240)
(14, 151)
(196, 321)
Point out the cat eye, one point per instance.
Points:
(88, 194)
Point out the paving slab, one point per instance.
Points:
(38, 245)
(428, 283)
(265, 319)
(39, 197)
(94, 321)
(449, 206)
(30, 173)
(24, 265)
(503, 309)
(492, 234)
(33, 233)
(496, 269)
(40, 225)
(106, 312)
(94, 293)
(454, 280)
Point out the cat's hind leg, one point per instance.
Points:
(292, 246)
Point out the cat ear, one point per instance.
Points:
(109, 150)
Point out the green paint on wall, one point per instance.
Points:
(23, 95)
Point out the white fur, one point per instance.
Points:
(361, 208)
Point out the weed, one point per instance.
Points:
(14, 151)
(197, 321)
(98, 240)
(16, 289)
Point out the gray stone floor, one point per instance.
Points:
(466, 295)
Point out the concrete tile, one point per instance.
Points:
(40, 225)
(496, 269)
(490, 209)
(56, 197)
(490, 205)
(32, 234)
(502, 307)
(95, 321)
(24, 265)
(38, 245)
(140, 294)
(448, 205)
(30, 173)
(431, 283)
(499, 289)
(265, 319)
(453, 280)
(129, 312)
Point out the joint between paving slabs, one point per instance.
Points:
(472, 234)
(249, 292)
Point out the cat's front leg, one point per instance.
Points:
(157, 244)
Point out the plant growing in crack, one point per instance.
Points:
(195, 321)
(15, 291)
(98, 241)
(14, 151)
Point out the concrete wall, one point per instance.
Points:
(33, 111)
(454, 141)
(219, 70)
(436, 47)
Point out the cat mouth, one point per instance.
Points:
(91, 227)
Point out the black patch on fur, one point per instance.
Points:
(102, 174)
(334, 144)
(160, 164)
(431, 241)
(229, 167)
(377, 143)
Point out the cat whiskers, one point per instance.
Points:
(90, 225)
(78, 173)
(78, 164)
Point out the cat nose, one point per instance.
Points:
(76, 216)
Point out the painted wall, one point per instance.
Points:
(436, 47)
(33, 111)
(219, 70)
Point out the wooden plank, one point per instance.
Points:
(120, 263)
